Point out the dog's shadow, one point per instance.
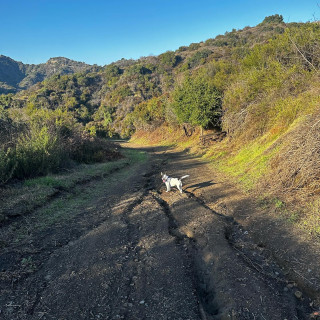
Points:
(201, 185)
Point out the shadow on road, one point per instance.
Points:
(201, 185)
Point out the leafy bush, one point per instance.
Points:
(138, 69)
(182, 48)
(47, 141)
(88, 149)
(268, 89)
(194, 46)
(197, 101)
(112, 70)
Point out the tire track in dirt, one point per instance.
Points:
(20, 211)
(215, 276)
(21, 288)
(205, 297)
(260, 261)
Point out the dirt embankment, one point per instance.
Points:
(129, 250)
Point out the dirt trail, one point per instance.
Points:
(137, 252)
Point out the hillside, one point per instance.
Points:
(15, 75)
(114, 90)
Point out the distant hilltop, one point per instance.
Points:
(15, 75)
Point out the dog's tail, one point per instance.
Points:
(184, 177)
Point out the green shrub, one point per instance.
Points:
(38, 152)
(147, 113)
(194, 46)
(197, 101)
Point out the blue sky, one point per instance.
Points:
(103, 31)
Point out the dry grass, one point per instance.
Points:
(295, 170)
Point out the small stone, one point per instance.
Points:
(141, 302)
(298, 294)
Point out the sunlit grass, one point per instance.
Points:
(250, 163)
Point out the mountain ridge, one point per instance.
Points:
(16, 75)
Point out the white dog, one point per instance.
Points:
(172, 182)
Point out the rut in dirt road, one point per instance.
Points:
(207, 306)
(238, 278)
(227, 279)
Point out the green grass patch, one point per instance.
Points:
(250, 163)
(49, 181)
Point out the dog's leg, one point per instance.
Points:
(168, 187)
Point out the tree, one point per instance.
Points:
(198, 102)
